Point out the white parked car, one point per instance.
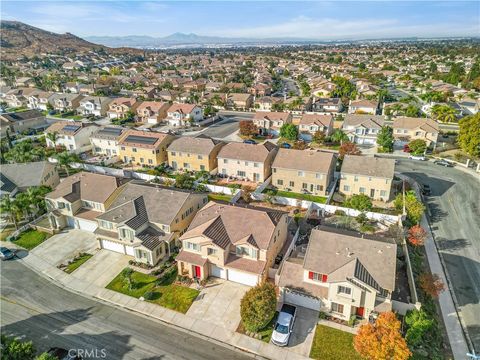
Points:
(418, 157)
(284, 325)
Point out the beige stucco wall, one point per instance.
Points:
(378, 184)
(286, 176)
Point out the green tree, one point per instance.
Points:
(412, 111)
(413, 206)
(289, 132)
(65, 159)
(469, 134)
(417, 146)
(385, 138)
(359, 202)
(258, 306)
(184, 181)
(338, 136)
(9, 208)
(419, 326)
(46, 356)
(319, 137)
(443, 113)
(13, 349)
(343, 89)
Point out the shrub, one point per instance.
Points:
(367, 228)
(359, 202)
(322, 315)
(257, 307)
(352, 320)
(361, 218)
(149, 295)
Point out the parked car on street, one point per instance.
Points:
(406, 148)
(417, 157)
(249, 141)
(284, 325)
(426, 190)
(6, 254)
(286, 145)
(443, 163)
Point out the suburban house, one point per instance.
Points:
(39, 100)
(341, 273)
(363, 107)
(7, 187)
(331, 105)
(152, 112)
(252, 162)
(94, 105)
(194, 154)
(239, 101)
(265, 103)
(372, 176)
(119, 108)
(184, 114)
(311, 123)
(18, 122)
(269, 123)
(79, 199)
(18, 97)
(144, 147)
(303, 171)
(145, 220)
(236, 243)
(73, 135)
(105, 140)
(363, 129)
(25, 175)
(66, 102)
(406, 129)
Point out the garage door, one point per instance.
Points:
(242, 277)
(217, 271)
(113, 246)
(296, 298)
(86, 225)
(70, 222)
(129, 250)
(368, 141)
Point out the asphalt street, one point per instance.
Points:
(228, 126)
(454, 215)
(35, 309)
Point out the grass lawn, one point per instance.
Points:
(77, 262)
(166, 293)
(220, 197)
(266, 332)
(307, 197)
(31, 238)
(6, 232)
(332, 344)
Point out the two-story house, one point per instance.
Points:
(363, 129)
(184, 114)
(303, 171)
(340, 273)
(66, 102)
(105, 140)
(363, 107)
(144, 147)
(406, 129)
(17, 122)
(73, 135)
(152, 112)
(311, 123)
(269, 122)
(371, 176)
(79, 199)
(266, 103)
(239, 101)
(330, 105)
(194, 154)
(235, 243)
(252, 162)
(26, 175)
(119, 108)
(94, 105)
(18, 97)
(145, 220)
(39, 100)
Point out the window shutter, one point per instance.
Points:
(324, 278)
(310, 275)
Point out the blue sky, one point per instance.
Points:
(312, 19)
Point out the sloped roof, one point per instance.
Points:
(246, 152)
(307, 160)
(368, 121)
(426, 124)
(196, 145)
(368, 166)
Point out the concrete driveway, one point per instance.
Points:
(102, 267)
(64, 246)
(219, 303)
(303, 331)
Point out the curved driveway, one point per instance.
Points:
(454, 215)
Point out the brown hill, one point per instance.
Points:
(18, 39)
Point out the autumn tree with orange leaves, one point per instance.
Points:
(431, 284)
(417, 235)
(382, 340)
(348, 148)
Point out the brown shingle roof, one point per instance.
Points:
(426, 124)
(197, 145)
(248, 152)
(368, 121)
(307, 160)
(368, 166)
(314, 119)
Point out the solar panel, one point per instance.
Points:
(141, 139)
(71, 127)
(111, 131)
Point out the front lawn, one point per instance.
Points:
(293, 195)
(31, 238)
(165, 292)
(219, 197)
(332, 344)
(266, 332)
(77, 262)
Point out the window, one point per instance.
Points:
(256, 165)
(174, 153)
(344, 290)
(304, 185)
(212, 251)
(301, 173)
(338, 308)
(142, 160)
(319, 187)
(317, 277)
(106, 224)
(126, 234)
(319, 176)
(292, 183)
(134, 149)
(362, 190)
(225, 161)
(355, 178)
(242, 251)
(274, 170)
(202, 167)
(241, 173)
(150, 161)
(383, 193)
(279, 182)
(200, 157)
(191, 246)
(346, 188)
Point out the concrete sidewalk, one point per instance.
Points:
(197, 326)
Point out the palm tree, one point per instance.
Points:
(53, 137)
(9, 208)
(338, 136)
(65, 159)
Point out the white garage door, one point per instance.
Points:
(130, 250)
(217, 271)
(70, 222)
(369, 141)
(87, 225)
(113, 246)
(295, 298)
(242, 277)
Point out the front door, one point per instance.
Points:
(360, 311)
(372, 193)
(196, 272)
